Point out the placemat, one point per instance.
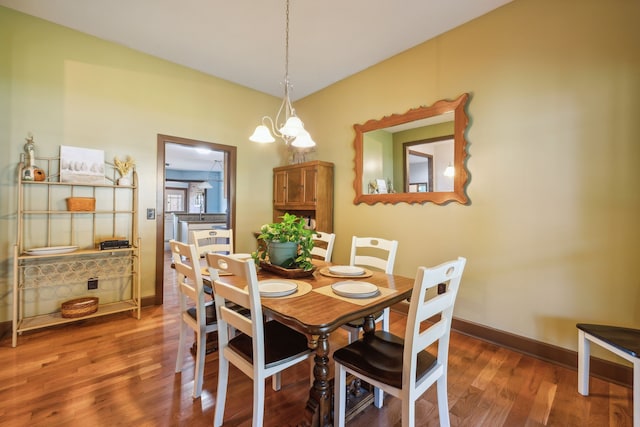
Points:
(325, 272)
(303, 288)
(326, 290)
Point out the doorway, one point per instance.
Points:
(225, 163)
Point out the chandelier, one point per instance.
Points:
(292, 131)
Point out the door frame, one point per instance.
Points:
(160, 204)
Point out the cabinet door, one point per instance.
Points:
(280, 188)
(310, 176)
(295, 186)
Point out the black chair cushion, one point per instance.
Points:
(281, 344)
(210, 314)
(379, 356)
(624, 339)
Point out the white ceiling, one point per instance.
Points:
(243, 40)
(185, 157)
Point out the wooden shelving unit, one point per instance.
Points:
(42, 281)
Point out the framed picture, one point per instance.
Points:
(382, 186)
(81, 165)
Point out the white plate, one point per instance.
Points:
(240, 256)
(277, 288)
(346, 270)
(51, 250)
(353, 289)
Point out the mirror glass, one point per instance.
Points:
(415, 157)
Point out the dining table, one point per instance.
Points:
(316, 310)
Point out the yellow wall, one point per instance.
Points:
(551, 233)
(553, 228)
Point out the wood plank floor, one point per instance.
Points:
(119, 371)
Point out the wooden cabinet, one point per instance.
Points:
(305, 189)
(58, 255)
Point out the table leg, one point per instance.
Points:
(369, 325)
(318, 409)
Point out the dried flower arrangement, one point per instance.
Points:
(124, 167)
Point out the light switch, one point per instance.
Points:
(151, 213)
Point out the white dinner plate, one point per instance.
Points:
(240, 256)
(277, 288)
(353, 289)
(51, 250)
(346, 270)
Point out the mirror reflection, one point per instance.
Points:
(413, 157)
(428, 165)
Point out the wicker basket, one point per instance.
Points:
(81, 203)
(79, 307)
(289, 273)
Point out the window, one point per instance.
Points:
(174, 199)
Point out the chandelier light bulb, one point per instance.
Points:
(262, 135)
(303, 140)
(292, 127)
(449, 171)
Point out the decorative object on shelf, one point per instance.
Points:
(292, 131)
(292, 230)
(39, 174)
(81, 165)
(81, 204)
(79, 307)
(123, 168)
(29, 169)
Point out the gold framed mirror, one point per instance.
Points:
(382, 147)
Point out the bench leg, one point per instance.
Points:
(584, 350)
(636, 393)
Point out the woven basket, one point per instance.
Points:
(79, 307)
(81, 203)
(289, 273)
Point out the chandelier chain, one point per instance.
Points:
(286, 48)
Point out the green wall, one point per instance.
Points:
(68, 88)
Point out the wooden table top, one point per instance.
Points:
(318, 313)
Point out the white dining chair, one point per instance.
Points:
(260, 349)
(193, 308)
(377, 253)
(403, 367)
(380, 254)
(325, 250)
(213, 240)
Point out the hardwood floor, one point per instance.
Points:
(119, 371)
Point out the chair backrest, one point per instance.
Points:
(421, 309)
(228, 297)
(190, 285)
(214, 240)
(325, 250)
(374, 252)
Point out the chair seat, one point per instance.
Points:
(379, 357)
(211, 314)
(624, 339)
(281, 344)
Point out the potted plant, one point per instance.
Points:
(291, 232)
